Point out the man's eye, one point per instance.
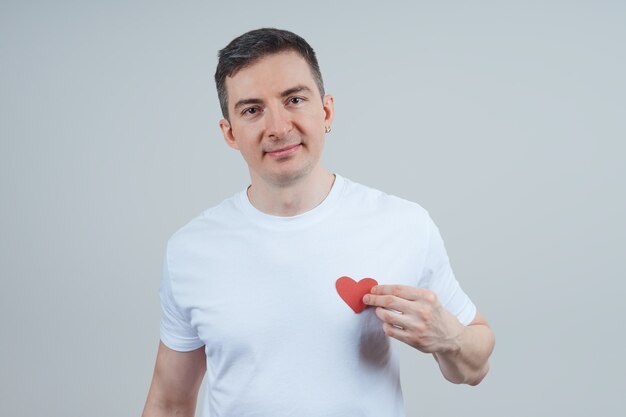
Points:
(296, 100)
(251, 111)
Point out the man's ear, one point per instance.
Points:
(329, 109)
(227, 131)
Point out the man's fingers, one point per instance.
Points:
(404, 291)
(395, 332)
(386, 301)
(392, 318)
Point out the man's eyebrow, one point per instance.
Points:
(296, 89)
(246, 101)
(287, 92)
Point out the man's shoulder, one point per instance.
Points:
(372, 198)
(209, 220)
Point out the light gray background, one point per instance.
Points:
(504, 119)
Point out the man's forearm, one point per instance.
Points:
(468, 362)
(153, 409)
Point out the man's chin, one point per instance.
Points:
(288, 178)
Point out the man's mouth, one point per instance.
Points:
(287, 150)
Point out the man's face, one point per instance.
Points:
(277, 118)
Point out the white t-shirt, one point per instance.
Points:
(258, 291)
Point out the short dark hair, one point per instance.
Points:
(248, 48)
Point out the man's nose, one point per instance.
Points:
(278, 123)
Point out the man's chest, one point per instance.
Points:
(253, 292)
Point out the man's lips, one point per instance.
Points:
(287, 150)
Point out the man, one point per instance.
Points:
(261, 288)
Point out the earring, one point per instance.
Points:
(327, 129)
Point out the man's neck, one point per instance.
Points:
(296, 198)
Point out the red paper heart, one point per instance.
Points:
(352, 292)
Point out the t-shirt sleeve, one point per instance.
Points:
(438, 277)
(177, 333)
